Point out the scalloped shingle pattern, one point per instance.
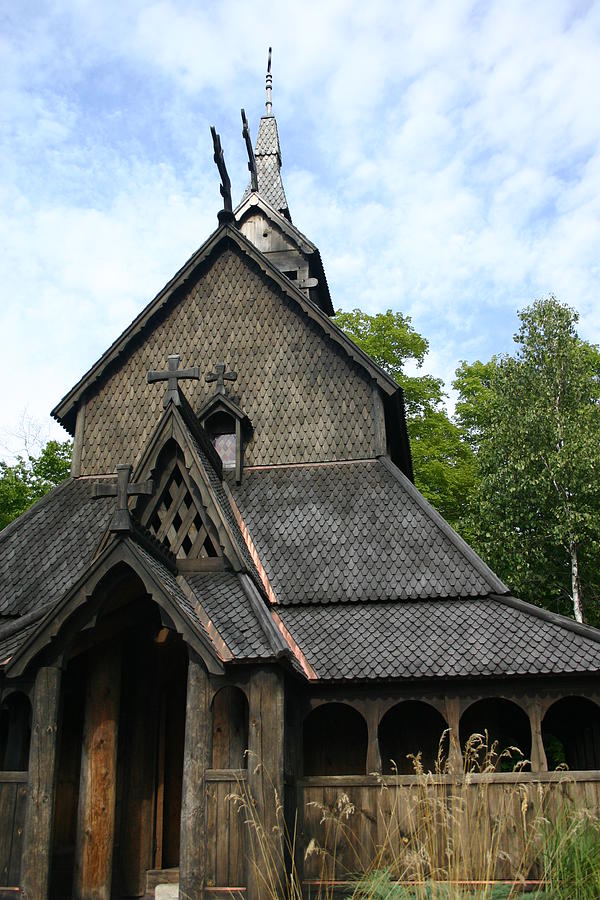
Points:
(227, 605)
(45, 550)
(306, 399)
(436, 639)
(349, 532)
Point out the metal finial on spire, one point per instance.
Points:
(269, 103)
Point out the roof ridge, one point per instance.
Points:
(581, 628)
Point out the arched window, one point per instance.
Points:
(571, 734)
(230, 729)
(505, 723)
(15, 733)
(411, 727)
(335, 741)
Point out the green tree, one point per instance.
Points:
(31, 477)
(443, 462)
(534, 421)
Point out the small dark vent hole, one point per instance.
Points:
(177, 476)
(177, 521)
(155, 523)
(197, 522)
(186, 545)
(208, 546)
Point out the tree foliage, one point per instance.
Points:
(443, 462)
(30, 477)
(534, 421)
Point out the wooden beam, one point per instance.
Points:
(265, 772)
(197, 761)
(138, 800)
(39, 817)
(98, 779)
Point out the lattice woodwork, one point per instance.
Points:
(176, 520)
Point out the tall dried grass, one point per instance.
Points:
(448, 833)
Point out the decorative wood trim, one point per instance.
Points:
(379, 422)
(349, 781)
(78, 442)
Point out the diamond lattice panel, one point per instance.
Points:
(176, 521)
(307, 400)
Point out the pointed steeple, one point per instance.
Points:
(268, 156)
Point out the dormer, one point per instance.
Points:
(226, 424)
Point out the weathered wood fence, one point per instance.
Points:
(358, 819)
(13, 797)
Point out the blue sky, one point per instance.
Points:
(444, 156)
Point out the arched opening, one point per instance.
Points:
(221, 428)
(124, 686)
(15, 732)
(407, 729)
(335, 741)
(571, 734)
(230, 729)
(506, 724)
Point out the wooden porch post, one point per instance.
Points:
(455, 757)
(37, 838)
(539, 762)
(98, 779)
(265, 768)
(193, 800)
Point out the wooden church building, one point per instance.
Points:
(240, 584)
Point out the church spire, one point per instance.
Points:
(267, 152)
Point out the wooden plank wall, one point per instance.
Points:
(226, 838)
(13, 797)
(365, 816)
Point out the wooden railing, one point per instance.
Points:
(13, 796)
(369, 817)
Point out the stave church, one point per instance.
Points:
(240, 588)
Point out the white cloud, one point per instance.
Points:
(445, 156)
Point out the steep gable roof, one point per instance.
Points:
(226, 235)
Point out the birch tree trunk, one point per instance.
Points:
(575, 583)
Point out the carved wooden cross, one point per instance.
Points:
(172, 376)
(122, 490)
(221, 376)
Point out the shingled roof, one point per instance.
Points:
(466, 638)
(46, 549)
(354, 532)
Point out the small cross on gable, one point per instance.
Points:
(172, 376)
(122, 490)
(221, 376)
